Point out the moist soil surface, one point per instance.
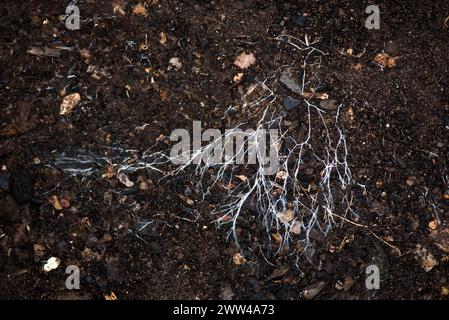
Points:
(153, 238)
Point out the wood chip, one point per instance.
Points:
(123, 178)
(69, 103)
(45, 52)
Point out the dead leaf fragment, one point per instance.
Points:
(286, 216)
(140, 9)
(425, 258)
(117, 7)
(357, 66)
(243, 178)
(89, 255)
(385, 60)
(110, 297)
(238, 259)
(296, 228)
(69, 103)
(445, 291)
(245, 60)
(277, 237)
(109, 172)
(281, 175)
(55, 202)
(163, 38)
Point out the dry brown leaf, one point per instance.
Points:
(282, 175)
(433, 224)
(109, 172)
(245, 60)
(385, 60)
(69, 103)
(140, 9)
(425, 258)
(238, 259)
(163, 38)
(296, 228)
(357, 66)
(242, 178)
(318, 95)
(55, 202)
(117, 7)
(276, 237)
(111, 296)
(8, 131)
(286, 216)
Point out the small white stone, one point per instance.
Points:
(52, 263)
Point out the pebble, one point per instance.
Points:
(123, 178)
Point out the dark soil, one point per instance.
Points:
(396, 120)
